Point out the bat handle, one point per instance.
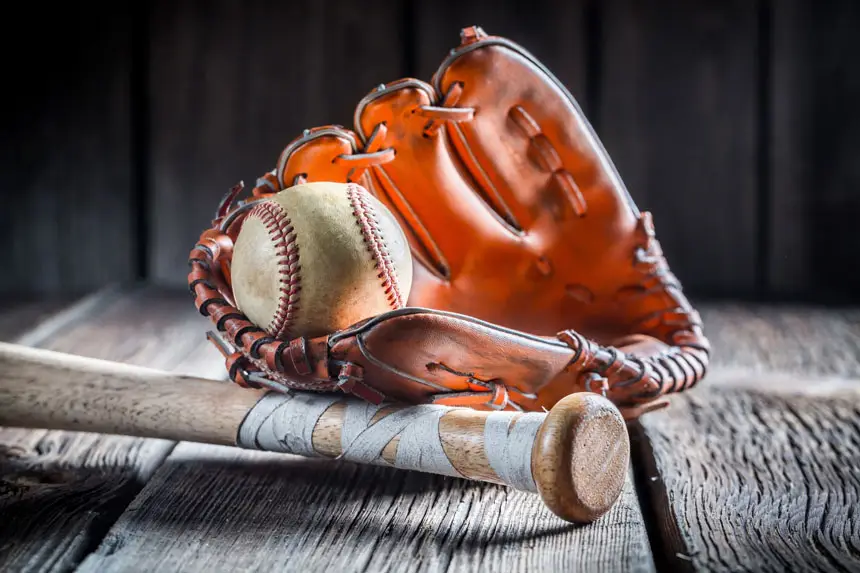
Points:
(575, 456)
(581, 456)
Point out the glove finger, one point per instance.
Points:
(425, 180)
(532, 139)
(529, 137)
(333, 153)
(313, 157)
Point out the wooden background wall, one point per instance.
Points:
(735, 122)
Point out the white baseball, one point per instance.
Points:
(317, 258)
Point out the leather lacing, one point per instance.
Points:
(679, 367)
(447, 110)
(373, 154)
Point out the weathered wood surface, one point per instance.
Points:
(222, 509)
(232, 83)
(773, 473)
(677, 110)
(818, 341)
(759, 468)
(759, 481)
(66, 220)
(60, 491)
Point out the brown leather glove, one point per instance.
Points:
(516, 216)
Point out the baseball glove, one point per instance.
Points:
(536, 275)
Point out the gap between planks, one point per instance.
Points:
(759, 467)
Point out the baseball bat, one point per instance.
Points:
(575, 456)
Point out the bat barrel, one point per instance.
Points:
(581, 456)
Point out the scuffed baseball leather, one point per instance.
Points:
(516, 216)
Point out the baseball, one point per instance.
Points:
(317, 258)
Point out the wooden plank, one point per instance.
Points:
(834, 147)
(231, 83)
(814, 340)
(60, 491)
(756, 469)
(751, 480)
(677, 112)
(223, 509)
(67, 183)
(791, 186)
(816, 138)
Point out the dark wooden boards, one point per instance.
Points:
(232, 83)
(554, 32)
(66, 222)
(60, 491)
(760, 481)
(726, 459)
(835, 181)
(677, 99)
(223, 509)
(815, 139)
(733, 122)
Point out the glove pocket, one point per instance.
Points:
(417, 355)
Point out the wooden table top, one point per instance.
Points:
(757, 469)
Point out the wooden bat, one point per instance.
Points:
(575, 456)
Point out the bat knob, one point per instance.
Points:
(581, 456)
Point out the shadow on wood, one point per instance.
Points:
(270, 512)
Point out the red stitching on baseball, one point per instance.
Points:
(281, 232)
(366, 217)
